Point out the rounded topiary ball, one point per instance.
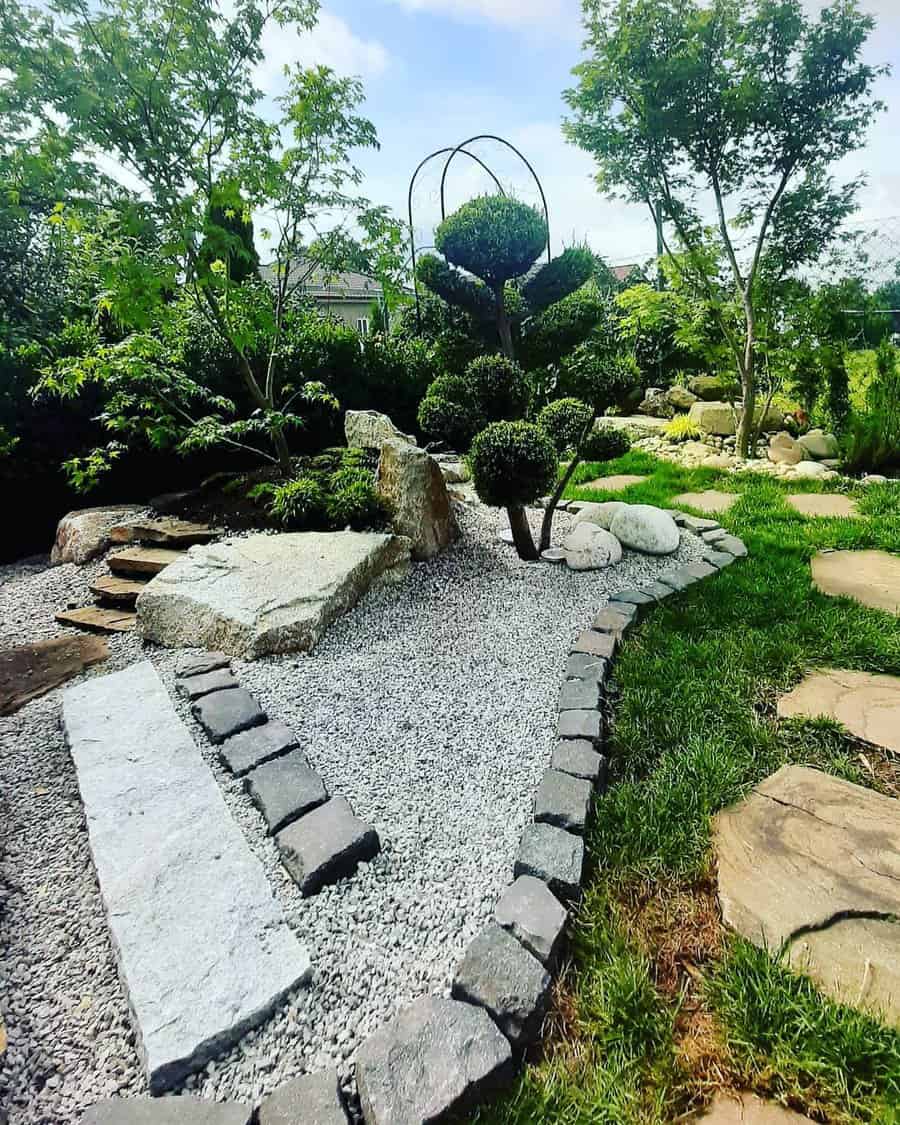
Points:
(565, 420)
(498, 387)
(606, 444)
(447, 421)
(493, 237)
(513, 463)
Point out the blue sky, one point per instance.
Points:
(438, 71)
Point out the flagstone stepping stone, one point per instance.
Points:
(29, 671)
(554, 856)
(747, 1109)
(827, 504)
(266, 593)
(326, 845)
(868, 705)
(616, 483)
(251, 748)
(220, 679)
(563, 800)
(225, 713)
(709, 501)
(284, 789)
(167, 532)
(203, 949)
(438, 1058)
(312, 1099)
(869, 577)
(811, 862)
(112, 590)
(181, 1110)
(98, 619)
(148, 561)
(535, 918)
(499, 974)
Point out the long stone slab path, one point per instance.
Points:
(203, 949)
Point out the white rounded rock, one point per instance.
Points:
(590, 547)
(809, 470)
(645, 528)
(600, 514)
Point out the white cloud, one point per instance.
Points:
(510, 13)
(331, 43)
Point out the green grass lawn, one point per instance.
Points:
(660, 1007)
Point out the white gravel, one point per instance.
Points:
(430, 707)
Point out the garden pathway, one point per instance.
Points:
(869, 577)
(866, 704)
(827, 504)
(709, 501)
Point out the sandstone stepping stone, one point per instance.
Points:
(747, 1110)
(29, 671)
(582, 666)
(578, 695)
(868, 705)
(251, 748)
(709, 501)
(147, 561)
(436, 1059)
(225, 713)
(580, 724)
(499, 974)
(98, 619)
(312, 1099)
(869, 577)
(181, 1110)
(284, 789)
(220, 679)
(327, 844)
(167, 532)
(824, 504)
(563, 800)
(813, 863)
(266, 593)
(554, 856)
(535, 918)
(578, 757)
(205, 662)
(615, 483)
(622, 609)
(681, 577)
(658, 590)
(202, 947)
(594, 643)
(112, 590)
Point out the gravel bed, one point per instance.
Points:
(430, 707)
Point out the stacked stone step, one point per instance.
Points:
(319, 837)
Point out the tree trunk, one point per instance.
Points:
(503, 327)
(550, 511)
(521, 531)
(282, 452)
(748, 384)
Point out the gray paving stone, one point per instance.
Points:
(312, 1099)
(203, 950)
(580, 724)
(733, 546)
(205, 662)
(628, 610)
(699, 524)
(326, 845)
(436, 1059)
(181, 1110)
(249, 749)
(284, 789)
(700, 569)
(718, 559)
(657, 591)
(220, 679)
(596, 644)
(534, 916)
(634, 597)
(563, 800)
(714, 536)
(498, 974)
(579, 695)
(225, 713)
(578, 757)
(554, 856)
(611, 621)
(679, 578)
(581, 666)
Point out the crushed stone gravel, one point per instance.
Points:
(430, 707)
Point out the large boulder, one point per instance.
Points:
(820, 446)
(84, 534)
(367, 429)
(590, 547)
(656, 404)
(714, 418)
(645, 528)
(599, 514)
(413, 486)
(266, 593)
(783, 450)
(680, 398)
(712, 388)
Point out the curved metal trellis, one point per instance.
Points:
(454, 152)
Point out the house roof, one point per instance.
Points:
(622, 273)
(323, 284)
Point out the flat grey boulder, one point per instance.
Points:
(219, 679)
(327, 844)
(284, 789)
(578, 757)
(203, 950)
(563, 800)
(312, 1099)
(250, 748)
(84, 534)
(498, 974)
(369, 429)
(641, 527)
(224, 713)
(554, 856)
(435, 1059)
(412, 484)
(266, 593)
(181, 1110)
(535, 918)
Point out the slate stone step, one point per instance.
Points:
(147, 561)
(99, 619)
(203, 949)
(250, 748)
(224, 713)
(205, 662)
(327, 844)
(313, 1099)
(182, 1110)
(166, 532)
(111, 590)
(29, 671)
(284, 789)
(534, 916)
(436, 1059)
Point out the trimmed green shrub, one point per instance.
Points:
(565, 421)
(466, 293)
(837, 389)
(559, 278)
(493, 237)
(449, 422)
(456, 407)
(597, 375)
(498, 387)
(298, 504)
(513, 463)
(606, 444)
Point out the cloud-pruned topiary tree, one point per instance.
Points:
(492, 389)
